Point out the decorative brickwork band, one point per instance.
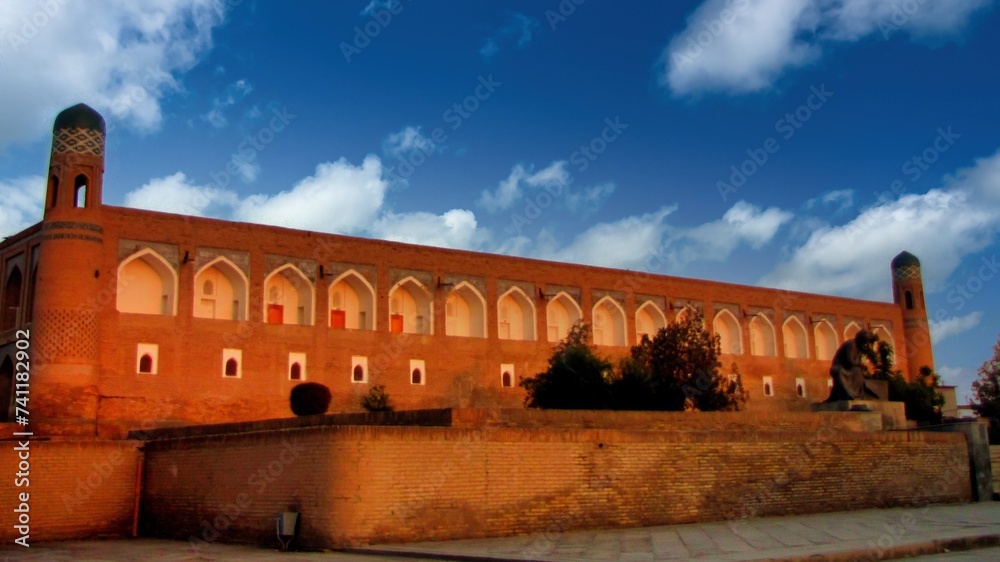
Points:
(78, 141)
(907, 272)
(65, 334)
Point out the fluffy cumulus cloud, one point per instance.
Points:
(177, 194)
(941, 227)
(338, 197)
(742, 224)
(742, 46)
(943, 329)
(130, 58)
(22, 203)
(456, 228)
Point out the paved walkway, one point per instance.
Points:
(858, 535)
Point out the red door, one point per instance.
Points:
(275, 314)
(396, 323)
(338, 319)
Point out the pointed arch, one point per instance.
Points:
(11, 299)
(147, 284)
(728, 328)
(883, 334)
(851, 330)
(352, 302)
(762, 337)
(80, 189)
(649, 320)
(465, 312)
(221, 291)
(826, 340)
(561, 313)
(795, 339)
(6, 387)
(53, 191)
(515, 316)
(411, 309)
(29, 305)
(288, 297)
(684, 314)
(608, 322)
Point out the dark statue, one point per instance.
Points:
(848, 371)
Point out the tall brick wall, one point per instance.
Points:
(460, 371)
(356, 485)
(77, 488)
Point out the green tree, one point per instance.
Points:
(377, 400)
(576, 379)
(922, 400)
(987, 387)
(681, 364)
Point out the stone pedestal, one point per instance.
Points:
(893, 413)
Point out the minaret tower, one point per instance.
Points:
(65, 334)
(908, 293)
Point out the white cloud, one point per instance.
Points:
(944, 329)
(839, 200)
(407, 141)
(740, 46)
(376, 5)
(941, 227)
(625, 243)
(22, 203)
(235, 93)
(176, 194)
(339, 198)
(743, 223)
(456, 228)
(555, 177)
(518, 30)
(123, 59)
(589, 199)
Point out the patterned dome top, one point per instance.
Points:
(80, 116)
(904, 259)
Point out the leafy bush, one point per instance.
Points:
(678, 369)
(376, 400)
(575, 379)
(310, 399)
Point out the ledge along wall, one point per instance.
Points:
(357, 485)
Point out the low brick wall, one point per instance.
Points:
(76, 488)
(358, 485)
(995, 461)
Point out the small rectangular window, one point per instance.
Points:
(359, 369)
(418, 372)
(147, 358)
(297, 366)
(232, 363)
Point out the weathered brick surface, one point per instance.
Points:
(77, 488)
(355, 485)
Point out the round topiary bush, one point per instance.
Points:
(310, 399)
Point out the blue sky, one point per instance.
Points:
(783, 143)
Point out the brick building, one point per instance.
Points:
(145, 319)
